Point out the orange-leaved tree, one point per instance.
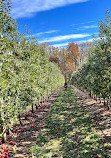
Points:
(72, 55)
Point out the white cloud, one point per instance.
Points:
(84, 41)
(47, 32)
(65, 37)
(78, 42)
(42, 33)
(27, 8)
(60, 45)
(82, 23)
(87, 27)
(90, 40)
(87, 22)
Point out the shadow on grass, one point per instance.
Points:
(68, 133)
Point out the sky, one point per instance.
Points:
(59, 22)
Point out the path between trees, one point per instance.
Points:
(98, 112)
(71, 127)
(32, 127)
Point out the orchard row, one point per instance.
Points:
(26, 75)
(94, 75)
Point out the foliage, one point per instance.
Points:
(95, 73)
(26, 75)
(73, 55)
(65, 58)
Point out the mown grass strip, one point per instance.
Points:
(68, 133)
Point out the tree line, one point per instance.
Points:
(94, 75)
(27, 76)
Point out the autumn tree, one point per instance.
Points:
(73, 55)
(88, 48)
(65, 58)
(85, 49)
(62, 62)
(59, 56)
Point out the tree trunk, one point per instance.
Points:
(20, 119)
(2, 127)
(32, 108)
(3, 131)
(26, 111)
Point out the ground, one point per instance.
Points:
(69, 124)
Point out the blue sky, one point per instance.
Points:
(59, 22)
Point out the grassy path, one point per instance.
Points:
(68, 132)
(65, 126)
